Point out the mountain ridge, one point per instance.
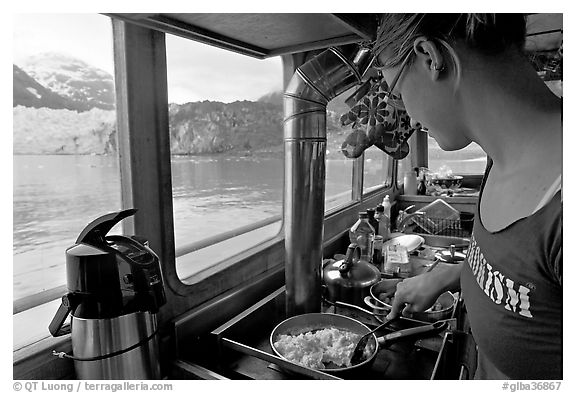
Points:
(86, 86)
(63, 105)
(28, 92)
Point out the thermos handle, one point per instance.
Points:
(65, 308)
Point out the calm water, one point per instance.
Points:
(55, 197)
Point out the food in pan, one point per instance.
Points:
(384, 298)
(320, 349)
(436, 307)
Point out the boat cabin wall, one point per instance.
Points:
(140, 63)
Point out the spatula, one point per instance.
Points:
(358, 353)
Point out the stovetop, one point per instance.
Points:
(242, 350)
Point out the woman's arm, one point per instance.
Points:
(420, 292)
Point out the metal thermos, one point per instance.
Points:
(101, 337)
(115, 290)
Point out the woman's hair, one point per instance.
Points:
(488, 33)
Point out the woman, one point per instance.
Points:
(465, 79)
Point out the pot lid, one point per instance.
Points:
(447, 256)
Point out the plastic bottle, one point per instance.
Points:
(384, 224)
(362, 233)
(372, 219)
(379, 216)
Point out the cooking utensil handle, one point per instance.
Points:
(433, 265)
(368, 301)
(400, 334)
(355, 307)
(338, 303)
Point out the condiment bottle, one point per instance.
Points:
(372, 219)
(362, 233)
(384, 223)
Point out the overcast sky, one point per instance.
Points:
(196, 72)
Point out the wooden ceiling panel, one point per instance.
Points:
(263, 35)
(268, 31)
(266, 35)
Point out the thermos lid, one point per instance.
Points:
(96, 231)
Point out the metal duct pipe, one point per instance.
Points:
(313, 85)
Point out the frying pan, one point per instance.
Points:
(315, 321)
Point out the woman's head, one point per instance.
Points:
(431, 48)
(487, 33)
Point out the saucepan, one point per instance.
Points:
(382, 291)
(312, 322)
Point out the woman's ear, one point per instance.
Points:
(430, 57)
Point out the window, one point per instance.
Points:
(403, 166)
(226, 140)
(65, 163)
(338, 168)
(470, 160)
(376, 164)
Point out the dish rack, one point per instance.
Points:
(441, 219)
(460, 227)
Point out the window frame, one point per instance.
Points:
(135, 149)
(144, 160)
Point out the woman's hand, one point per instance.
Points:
(419, 293)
